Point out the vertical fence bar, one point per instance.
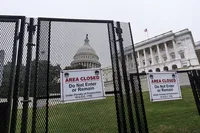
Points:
(16, 83)
(136, 104)
(190, 75)
(14, 54)
(136, 65)
(140, 114)
(12, 75)
(33, 128)
(116, 98)
(198, 71)
(31, 30)
(133, 86)
(197, 82)
(47, 91)
(140, 89)
(119, 107)
(126, 82)
(196, 88)
(120, 86)
(143, 109)
(197, 78)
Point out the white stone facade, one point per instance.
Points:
(168, 50)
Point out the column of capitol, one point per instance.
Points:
(152, 54)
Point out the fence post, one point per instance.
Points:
(125, 78)
(16, 82)
(33, 127)
(31, 30)
(119, 103)
(138, 96)
(12, 76)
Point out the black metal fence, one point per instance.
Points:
(189, 83)
(138, 102)
(29, 74)
(194, 77)
(30, 83)
(11, 46)
(58, 41)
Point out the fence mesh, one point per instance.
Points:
(65, 45)
(129, 67)
(118, 85)
(60, 43)
(16, 124)
(168, 116)
(7, 47)
(79, 44)
(138, 104)
(8, 52)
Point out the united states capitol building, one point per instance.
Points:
(166, 52)
(86, 56)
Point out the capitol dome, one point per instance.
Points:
(86, 56)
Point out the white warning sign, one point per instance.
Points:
(81, 85)
(163, 86)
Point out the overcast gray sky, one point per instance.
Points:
(157, 16)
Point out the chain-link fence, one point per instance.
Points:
(127, 64)
(13, 47)
(25, 94)
(167, 116)
(62, 44)
(11, 53)
(65, 45)
(8, 56)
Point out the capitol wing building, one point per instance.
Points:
(166, 52)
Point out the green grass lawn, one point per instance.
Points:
(179, 116)
(99, 116)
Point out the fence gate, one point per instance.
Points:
(57, 41)
(36, 83)
(11, 45)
